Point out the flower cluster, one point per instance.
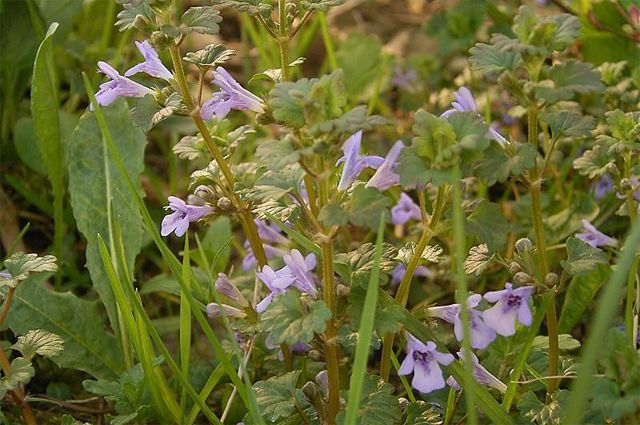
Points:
(509, 306)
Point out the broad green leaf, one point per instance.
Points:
(360, 58)
(489, 59)
(39, 342)
(387, 317)
(377, 406)
(362, 260)
(320, 5)
(581, 293)
(202, 19)
(97, 187)
(624, 126)
(366, 205)
(537, 412)
(288, 321)
(276, 396)
(497, 165)
(276, 154)
(252, 7)
(566, 123)
(275, 184)
(565, 343)
(215, 242)
(488, 225)
(332, 215)
(570, 77)
(594, 162)
(350, 122)
(140, 11)
(87, 346)
(582, 257)
(22, 266)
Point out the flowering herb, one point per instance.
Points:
(423, 360)
(230, 96)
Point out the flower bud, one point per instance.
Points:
(522, 278)
(315, 355)
(228, 289)
(322, 378)
(551, 279)
(205, 193)
(523, 245)
(225, 204)
(215, 310)
(310, 390)
(625, 185)
(343, 290)
(404, 403)
(514, 267)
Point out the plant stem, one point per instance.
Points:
(27, 413)
(405, 284)
(328, 295)
(248, 225)
(535, 181)
(6, 305)
(283, 39)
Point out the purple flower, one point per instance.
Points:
(511, 304)
(276, 281)
(231, 96)
(603, 186)
(118, 86)
(297, 348)
(399, 271)
(482, 375)
(250, 259)
(481, 334)
(404, 79)
(301, 268)
(270, 232)
(424, 361)
(465, 102)
(385, 176)
(182, 215)
(354, 163)
(634, 182)
(405, 210)
(151, 65)
(215, 310)
(229, 289)
(5, 275)
(593, 236)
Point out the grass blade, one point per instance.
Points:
(365, 332)
(185, 323)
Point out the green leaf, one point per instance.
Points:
(566, 123)
(565, 343)
(22, 266)
(212, 55)
(276, 154)
(39, 342)
(377, 404)
(497, 165)
(332, 215)
(275, 184)
(478, 259)
(362, 260)
(367, 204)
(202, 19)
(97, 187)
(624, 126)
(422, 413)
(288, 320)
(320, 5)
(540, 413)
(252, 7)
(140, 11)
(570, 77)
(594, 162)
(87, 346)
(488, 225)
(276, 396)
(20, 373)
(360, 58)
(582, 257)
(489, 59)
(387, 317)
(350, 122)
(581, 292)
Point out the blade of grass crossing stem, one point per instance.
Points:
(485, 401)
(605, 311)
(365, 332)
(514, 377)
(127, 277)
(405, 383)
(298, 237)
(171, 261)
(462, 293)
(206, 390)
(136, 332)
(185, 323)
(44, 95)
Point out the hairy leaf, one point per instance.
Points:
(212, 55)
(21, 266)
(489, 59)
(582, 257)
(378, 405)
(276, 397)
(202, 19)
(581, 292)
(39, 342)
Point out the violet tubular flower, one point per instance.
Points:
(510, 305)
(603, 186)
(404, 79)
(592, 236)
(151, 65)
(182, 215)
(398, 273)
(229, 289)
(301, 268)
(270, 232)
(405, 210)
(480, 374)
(465, 102)
(354, 163)
(118, 86)
(386, 176)
(250, 259)
(424, 361)
(481, 334)
(216, 310)
(277, 282)
(230, 96)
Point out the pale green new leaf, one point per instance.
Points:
(20, 373)
(39, 342)
(202, 19)
(21, 266)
